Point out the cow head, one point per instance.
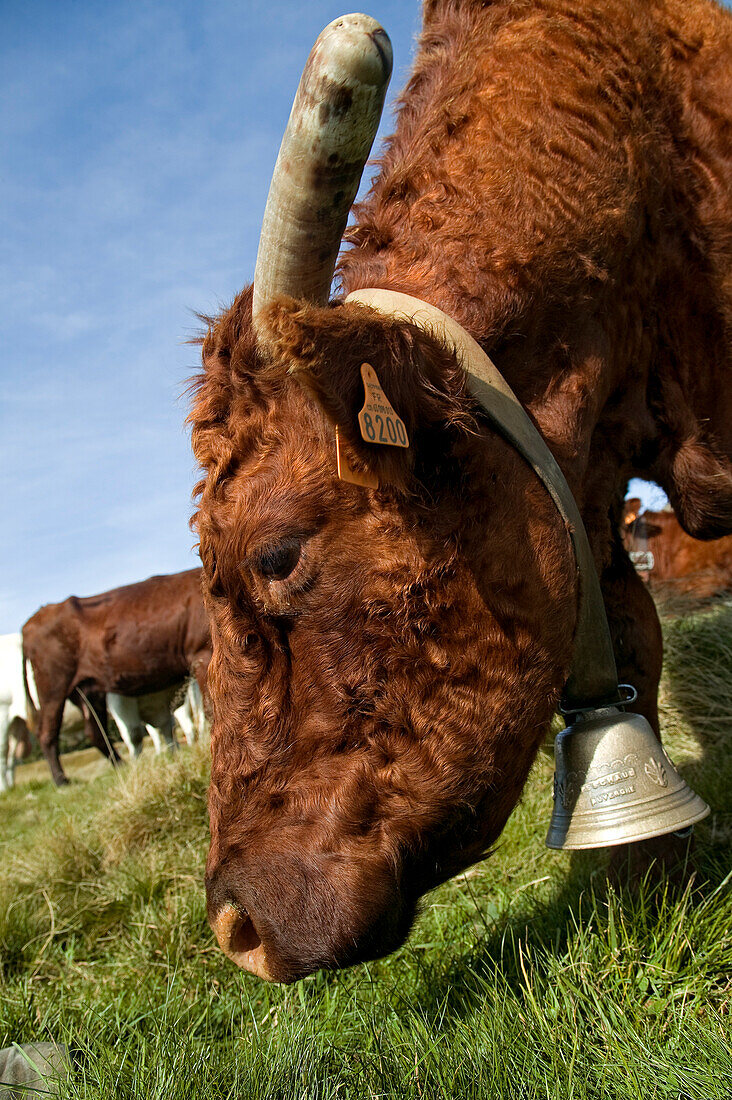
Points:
(385, 660)
(640, 527)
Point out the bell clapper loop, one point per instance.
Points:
(593, 708)
(632, 695)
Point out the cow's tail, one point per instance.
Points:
(31, 706)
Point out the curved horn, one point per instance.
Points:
(332, 127)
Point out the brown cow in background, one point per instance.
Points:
(701, 569)
(387, 660)
(133, 640)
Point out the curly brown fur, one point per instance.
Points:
(347, 696)
(385, 663)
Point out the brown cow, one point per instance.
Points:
(701, 569)
(132, 640)
(387, 660)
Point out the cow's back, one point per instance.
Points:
(134, 637)
(131, 640)
(560, 181)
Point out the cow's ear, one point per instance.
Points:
(326, 347)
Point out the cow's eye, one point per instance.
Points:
(278, 561)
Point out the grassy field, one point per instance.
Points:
(527, 977)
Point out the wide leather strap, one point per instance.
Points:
(593, 678)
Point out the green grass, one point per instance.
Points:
(527, 977)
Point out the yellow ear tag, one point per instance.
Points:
(377, 420)
(345, 472)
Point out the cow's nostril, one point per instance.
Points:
(240, 941)
(244, 936)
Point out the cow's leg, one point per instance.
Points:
(162, 735)
(160, 723)
(199, 693)
(195, 696)
(155, 737)
(183, 717)
(7, 762)
(126, 714)
(198, 710)
(94, 709)
(20, 736)
(186, 716)
(49, 730)
(19, 746)
(638, 645)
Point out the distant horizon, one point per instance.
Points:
(137, 159)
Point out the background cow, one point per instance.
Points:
(134, 640)
(157, 714)
(387, 659)
(14, 736)
(700, 568)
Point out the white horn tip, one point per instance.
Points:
(361, 44)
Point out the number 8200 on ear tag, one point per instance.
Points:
(377, 420)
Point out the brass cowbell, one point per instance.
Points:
(614, 783)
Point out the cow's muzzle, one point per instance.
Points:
(287, 915)
(239, 940)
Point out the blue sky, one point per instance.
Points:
(137, 141)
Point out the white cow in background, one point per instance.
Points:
(155, 714)
(14, 738)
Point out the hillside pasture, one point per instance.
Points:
(528, 976)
